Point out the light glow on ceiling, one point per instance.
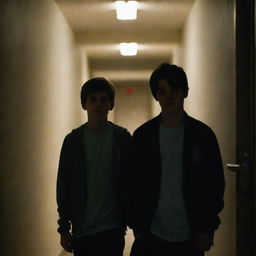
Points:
(126, 10)
(128, 49)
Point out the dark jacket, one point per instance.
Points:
(71, 176)
(203, 179)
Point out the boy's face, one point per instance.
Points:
(170, 98)
(97, 105)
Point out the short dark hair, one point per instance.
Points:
(97, 84)
(173, 74)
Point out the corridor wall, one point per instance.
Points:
(40, 79)
(208, 57)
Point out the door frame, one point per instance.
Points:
(245, 127)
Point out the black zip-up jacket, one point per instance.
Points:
(203, 179)
(71, 176)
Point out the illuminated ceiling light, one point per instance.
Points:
(126, 10)
(128, 49)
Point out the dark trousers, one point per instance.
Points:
(106, 243)
(151, 245)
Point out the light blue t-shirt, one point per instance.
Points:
(101, 202)
(170, 221)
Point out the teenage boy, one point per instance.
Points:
(179, 186)
(93, 164)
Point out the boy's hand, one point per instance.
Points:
(203, 243)
(66, 242)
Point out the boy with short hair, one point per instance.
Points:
(179, 178)
(93, 164)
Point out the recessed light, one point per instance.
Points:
(128, 49)
(126, 10)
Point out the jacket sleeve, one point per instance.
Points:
(140, 195)
(63, 187)
(216, 182)
(126, 169)
(211, 189)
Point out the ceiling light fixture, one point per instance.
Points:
(128, 49)
(126, 10)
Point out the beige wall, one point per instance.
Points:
(40, 84)
(133, 104)
(208, 59)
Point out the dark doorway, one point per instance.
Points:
(245, 102)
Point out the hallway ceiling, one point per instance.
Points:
(157, 30)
